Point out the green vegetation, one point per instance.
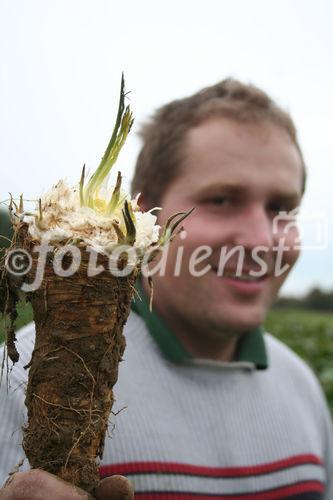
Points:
(6, 231)
(308, 333)
(24, 317)
(315, 300)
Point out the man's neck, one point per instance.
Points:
(208, 344)
(202, 345)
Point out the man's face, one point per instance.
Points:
(238, 177)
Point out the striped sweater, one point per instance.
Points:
(202, 430)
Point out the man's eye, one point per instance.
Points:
(280, 207)
(276, 208)
(216, 200)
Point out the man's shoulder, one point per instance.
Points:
(139, 341)
(282, 355)
(289, 366)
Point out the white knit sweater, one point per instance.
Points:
(204, 429)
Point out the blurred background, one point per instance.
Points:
(60, 70)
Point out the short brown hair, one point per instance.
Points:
(163, 136)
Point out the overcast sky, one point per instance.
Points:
(60, 67)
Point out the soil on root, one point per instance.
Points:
(79, 343)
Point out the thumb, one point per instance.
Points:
(114, 488)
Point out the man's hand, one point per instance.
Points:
(40, 485)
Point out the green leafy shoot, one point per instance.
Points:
(121, 129)
(40, 209)
(21, 205)
(114, 202)
(12, 204)
(120, 234)
(129, 219)
(171, 226)
(82, 184)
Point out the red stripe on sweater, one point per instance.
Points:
(276, 494)
(197, 470)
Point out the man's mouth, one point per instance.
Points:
(248, 274)
(243, 282)
(244, 277)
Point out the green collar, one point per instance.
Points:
(251, 346)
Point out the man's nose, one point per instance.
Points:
(255, 228)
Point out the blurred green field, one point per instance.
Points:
(308, 333)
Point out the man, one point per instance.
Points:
(214, 406)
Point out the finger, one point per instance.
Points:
(40, 485)
(114, 488)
